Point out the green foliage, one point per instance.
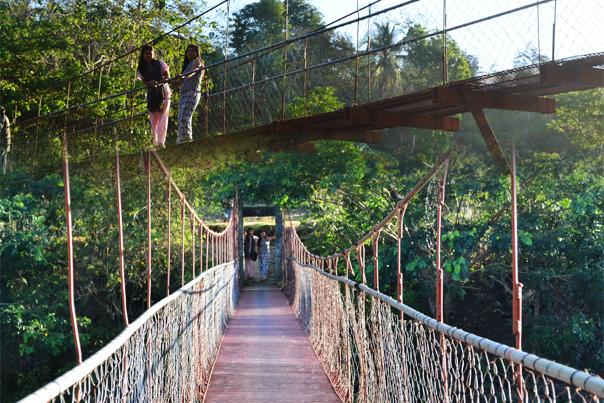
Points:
(319, 100)
(262, 23)
(422, 64)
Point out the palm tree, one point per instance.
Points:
(388, 70)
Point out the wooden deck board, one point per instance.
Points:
(266, 357)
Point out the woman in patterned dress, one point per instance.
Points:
(190, 93)
(153, 72)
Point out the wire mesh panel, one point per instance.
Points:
(374, 349)
(165, 356)
(384, 53)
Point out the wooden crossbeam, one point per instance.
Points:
(388, 119)
(579, 75)
(494, 100)
(485, 128)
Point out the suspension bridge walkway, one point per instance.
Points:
(323, 336)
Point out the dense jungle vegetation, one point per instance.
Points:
(343, 190)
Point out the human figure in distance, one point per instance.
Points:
(263, 253)
(4, 140)
(190, 93)
(249, 251)
(154, 73)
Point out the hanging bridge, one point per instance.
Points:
(335, 339)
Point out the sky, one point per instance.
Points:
(578, 28)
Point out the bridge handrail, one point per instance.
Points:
(579, 379)
(70, 378)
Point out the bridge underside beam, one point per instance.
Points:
(485, 128)
(581, 76)
(386, 119)
(454, 96)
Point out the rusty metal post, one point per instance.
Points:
(554, 32)
(285, 59)
(168, 196)
(200, 247)
(439, 270)
(207, 248)
(120, 225)
(356, 75)
(70, 270)
(305, 95)
(37, 131)
(440, 274)
(253, 92)
(132, 108)
(148, 169)
(193, 218)
(445, 60)
(206, 109)
(369, 57)
(376, 269)
(182, 234)
(361, 259)
(399, 294)
(517, 286)
(226, 46)
(96, 113)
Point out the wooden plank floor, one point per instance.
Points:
(265, 356)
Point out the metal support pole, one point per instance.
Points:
(226, 45)
(37, 131)
(361, 259)
(121, 234)
(207, 107)
(201, 248)
(399, 293)
(376, 270)
(182, 234)
(305, 94)
(193, 217)
(444, 51)
(517, 286)
(207, 249)
(439, 274)
(369, 58)
(148, 168)
(253, 92)
(285, 60)
(132, 109)
(70, 271)
(356, 75)
(168, 196)
(96, 113)
(439, 270)
(554, 32)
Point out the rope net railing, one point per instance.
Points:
(376, 349)
(166, 355)
(402, 49)
(168, 352)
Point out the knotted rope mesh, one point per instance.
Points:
(371, 352)
(165, 356)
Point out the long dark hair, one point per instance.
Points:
(186, 62)
(247, 232)
(142, 64)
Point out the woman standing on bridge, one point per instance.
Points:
(154, 73)
(190, 93)
(249, 251)
(263, 254)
